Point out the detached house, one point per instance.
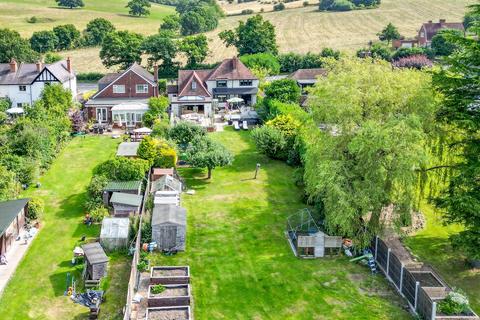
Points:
(23, 83)
(122, 98)
(306, 78)
(430, 29)
(199, 91)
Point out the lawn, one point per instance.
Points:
(36, 289)
(241, 264)
(431, 245)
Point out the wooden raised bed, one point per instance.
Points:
(169, 313)
(173, 295)
(170, 275)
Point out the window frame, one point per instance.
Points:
(20, 87)
(223, 82)
(245, 83)
(115, 88)
(145, 88)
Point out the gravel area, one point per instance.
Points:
(169, 272)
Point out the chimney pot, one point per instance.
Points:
(13, 66)
(39, 66)
(234, 62)
(69, 65)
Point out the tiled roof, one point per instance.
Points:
(308, 74)
(198, 90)
(109, 77)
(27, 72)
(142, 72)
(432, 28)
(114, 101)
(163, 171)
(231, 69)
(9, 211)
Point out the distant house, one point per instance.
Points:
(12, 221)
(405, 43)
(197, 91)
(122, 98)
(128, 149)
(23, 83)
(430, 29)
(307, 77)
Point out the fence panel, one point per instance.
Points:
(409, 286)
(382, 254)
(395, 269)
(424, 304)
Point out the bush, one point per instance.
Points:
(342, 5)
(407, 52)
(305, 3)
(90, 76)
(284, 90)
(96, 186)
(247, 11)
(279, 7)
(51, 57)
(142, 266)
(156, 289)
(35, 208)
(99, 213)
(454, 304)
(271, 142)
(265, 61)
(184, 132)
(414, 62)
(123, 169)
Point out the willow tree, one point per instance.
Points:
(375, 124)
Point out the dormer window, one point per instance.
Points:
(221, 83)
(194, 85)
(246, 83)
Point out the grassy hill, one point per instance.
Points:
(300, 29)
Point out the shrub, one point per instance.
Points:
(167, 157)
(32, 19)
(92, 204)
(279, 7)
(123, 169)
(51, 57)
(415, 62)
(89, 76)
(35, 208)
(407, 52)
(305, 3)
(284, 90)
(156, 289)
(247, 11)
(184, 132)
(271, 142)
(142, 266)
(285, 123)
(99, 213)
(96, 186)
(265, 61)
(454, 304)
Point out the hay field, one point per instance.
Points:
(267, 5)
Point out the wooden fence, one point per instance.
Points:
(421, 299)
(134, 274)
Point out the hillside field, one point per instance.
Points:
(300, 29)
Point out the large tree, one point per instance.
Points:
(195, 49)
(443, 47)
(139, 7)
(389, 33)
(68, 36)
(283, 90)
(44, 41)
(162, 48)
(203, 152)
(253, 36)
(459, 82)
(13, 46)
(70, 3)
(375, 124)
(96, 31)
(121, 48)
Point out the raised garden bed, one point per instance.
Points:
(169, 313)
(173, 295)
(427, 279)
(170, 275)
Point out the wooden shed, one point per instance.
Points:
(12, 221)
(306, 238)
(169, 224)
(125, 204)
(95, 261)
(132, 187)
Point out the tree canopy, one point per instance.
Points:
(203, 152)
(195, 49)
(13, 46)
(253, 36)
(121, 48)
(70, 3)
(441, 46)
(389, 33)
(138, 7)
(283, 90)
(67, 36)
(44, 41)
(96, 31)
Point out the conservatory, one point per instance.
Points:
(128, 114)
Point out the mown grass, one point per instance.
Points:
(241, 264)
(432, 245)
(36, 289)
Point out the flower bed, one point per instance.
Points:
(172, 295)
(170, 275)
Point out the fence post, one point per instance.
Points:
(388, 263)
(401, 278)
(417, 284)
(434, 310)
(376, 247)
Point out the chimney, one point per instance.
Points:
(69, 65)
(442, 21)
(234, 63)
(39, 66)
(13, 66)
(155, 77)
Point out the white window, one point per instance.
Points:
(138, 117)
(22, 88)
(142, 88)
(19, 105)
(194, 85)
(118, 88)
(101, 115)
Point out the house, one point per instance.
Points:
(169, 223)
(23, 83)
(133, 187)
(12, 221)
(430, 29)
(307, 77)
(404, 43)
(128, 149)
(198, 91)
(125, 204)
(122, 98)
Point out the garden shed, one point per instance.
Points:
(95, 261)
(128, 149)
(167, 183)
(114, 233)
(169, 224)
(133, 187)
(125, 204)
(306, 238)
